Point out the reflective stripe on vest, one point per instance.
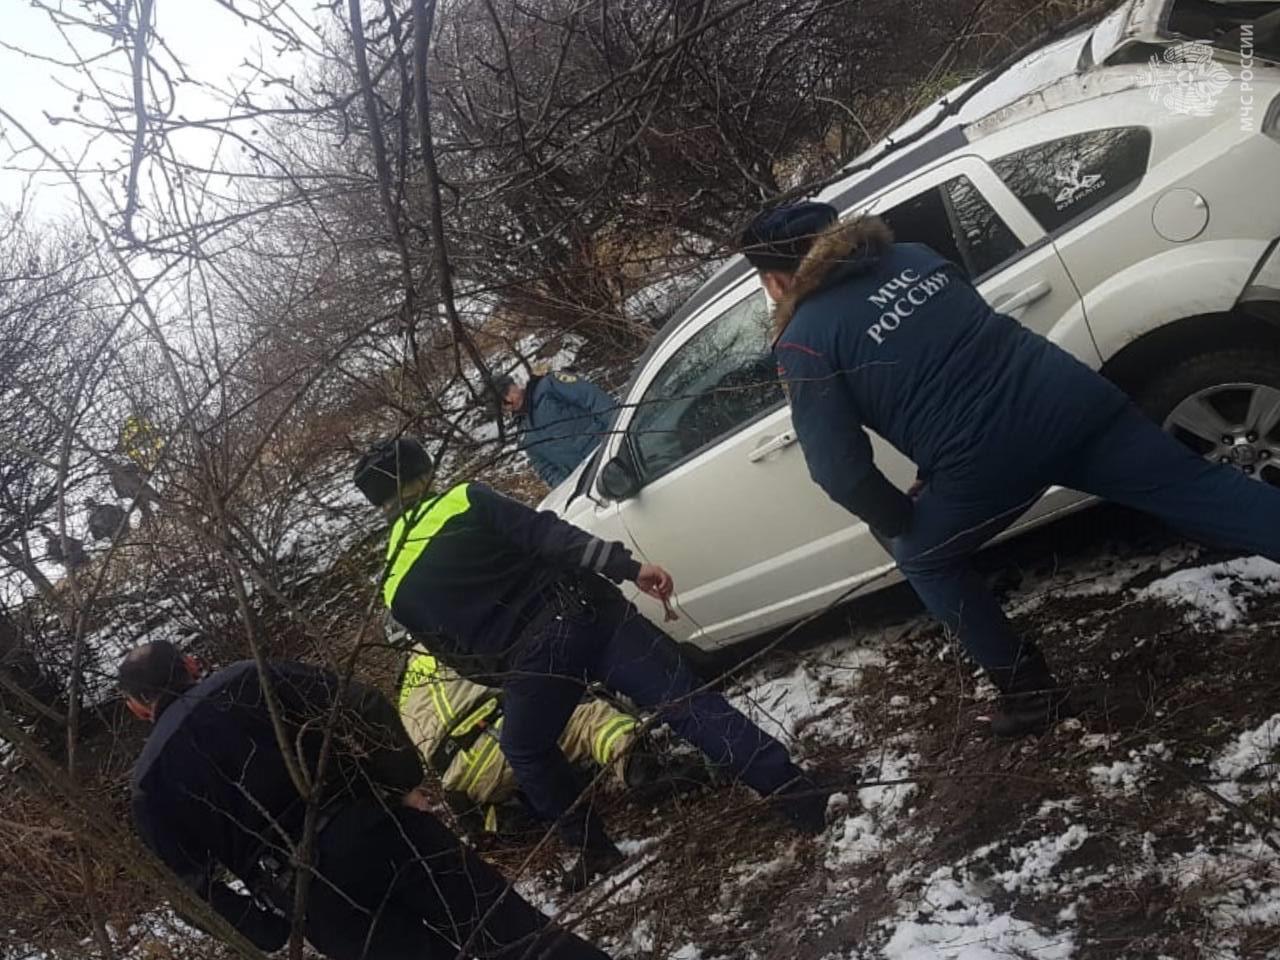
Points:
(414, 529)
(608, 736)
(485, 756)
(422, 672)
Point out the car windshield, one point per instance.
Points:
(722, 377)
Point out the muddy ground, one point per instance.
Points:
(1143, 828)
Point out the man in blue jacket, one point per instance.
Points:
(892, 337)
(561, 418)
(213, 792)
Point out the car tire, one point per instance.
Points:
(1233, 383)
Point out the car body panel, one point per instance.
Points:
(751, 542)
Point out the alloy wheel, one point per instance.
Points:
(1233, 423)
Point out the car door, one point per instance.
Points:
(725, 502)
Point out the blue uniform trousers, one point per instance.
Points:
(1130, 461)
(612, 643)
(395, 884)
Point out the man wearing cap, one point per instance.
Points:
(213, 792)
(561, 418)
(891, 337)
(520, 599)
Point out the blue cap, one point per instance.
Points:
(778, 238)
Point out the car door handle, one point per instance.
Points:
(772, 445)
(1023, 298)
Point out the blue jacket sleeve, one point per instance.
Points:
(836, 447)
(582, 393)
(542, 533)
(548, 471)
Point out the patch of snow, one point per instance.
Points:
(953, 921)
(1050, 807)
(629, 848)
(1252, 749)
(1218, 592)
(865, 835)
(1035, 862)
(746, 874)
(887, 800)
(1123, 777)
(782, 706)
(857, 840)
(1246, 874)
(1098, 577)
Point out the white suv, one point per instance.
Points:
(1117, 191)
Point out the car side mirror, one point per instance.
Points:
(618, 481)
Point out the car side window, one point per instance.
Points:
(721, 378)
(1065, 179)
(955, 219)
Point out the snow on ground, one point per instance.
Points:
(1127, 776)
(1101, 576)
(329, 514)
(1039, 886)
(1220, 592)
(1250, 758)
(869, 833)
(952, 919)
(785, 705)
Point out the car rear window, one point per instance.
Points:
(1065, 179)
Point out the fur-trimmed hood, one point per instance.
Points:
(853, 246)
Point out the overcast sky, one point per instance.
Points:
(211, 42)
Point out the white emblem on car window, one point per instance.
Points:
(1074, 186)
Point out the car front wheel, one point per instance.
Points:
(1225, 405)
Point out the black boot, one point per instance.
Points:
(803, 804)
(597, 860)
(1030, 699)
(597, 855)
(1030, 714)
(650, 776)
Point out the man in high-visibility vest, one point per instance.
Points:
(519, 598)
(456, 725)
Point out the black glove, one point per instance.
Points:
(885, 508)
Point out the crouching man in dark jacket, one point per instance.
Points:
(560, 417)
(518, 598)
(213, 792)
(892, 337)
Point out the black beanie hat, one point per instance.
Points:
(384, 471)
(778, 238)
